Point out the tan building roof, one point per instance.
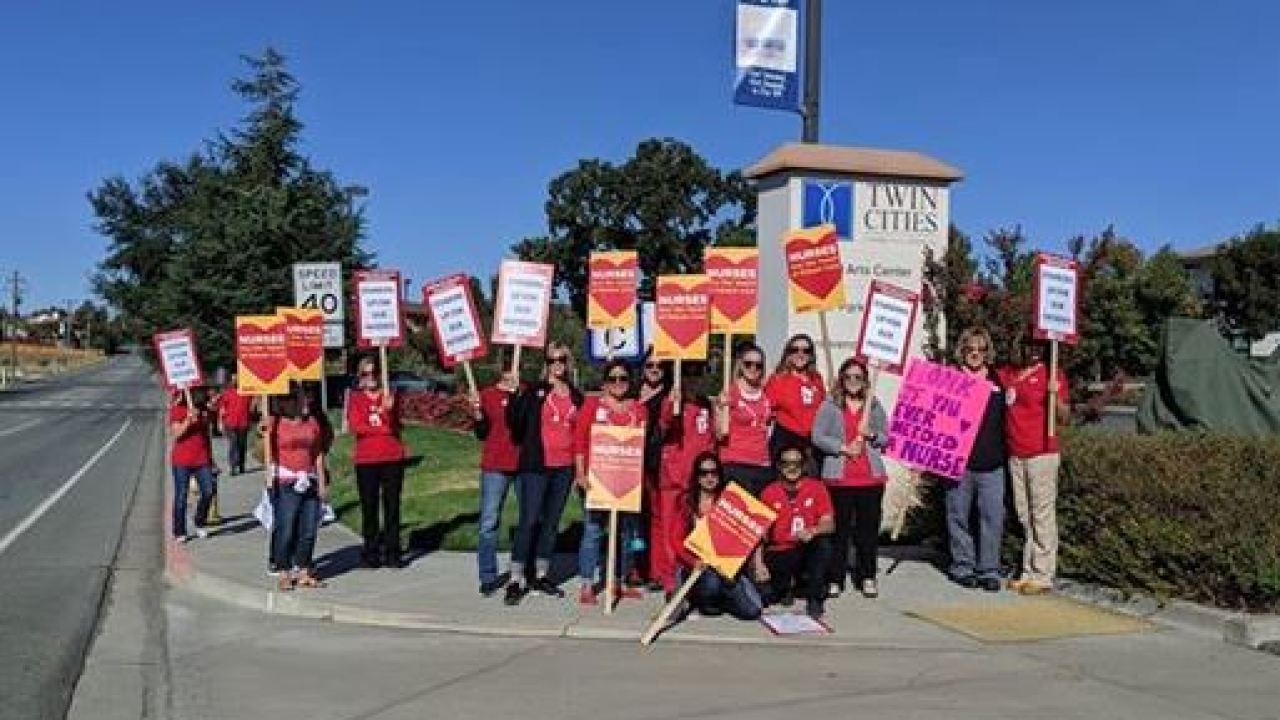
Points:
(854, 161)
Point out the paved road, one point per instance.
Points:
(71, 453)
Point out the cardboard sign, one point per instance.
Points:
(318, 286)
(304, 342)
(1057, 295)
(616, 468)
(523, 304)
(179, 361)
(379, 319)
(262, 355)
(683, 317)
(887, 321)
(611, 289)
(454, 319)
(623, 343)
(726, 536)
(936, 418)
(735, 288)
(814, 272)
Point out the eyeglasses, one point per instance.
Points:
(652, 366)
(752, 365)
(557, 359)
(790, 464)
(800, 350)
(618, 377)
(855, 376)
(708, 471)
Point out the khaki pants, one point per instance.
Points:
(1035, 497)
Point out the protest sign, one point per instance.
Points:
(814, 272)
(936, 418)
(683, 317)
(455, 322)
(379, 319)
(725, 537)
(615, 468)
(304, 341)
(179, 360)
(611, 289)
(262, 355)
(1056, 292)
(887, 321)
(735, 287)
(523, 303)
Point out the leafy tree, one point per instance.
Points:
(1246, 282)
(666, 202)
(196, 242)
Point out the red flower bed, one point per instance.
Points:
(452, 412)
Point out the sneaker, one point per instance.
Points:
(990, 584)
(489, 587)
(633, 579)
(814, 609)
(654, 586)
(273, 571)
(834, 590)
(587, 595)
(968, 582)
(201, 533)
(544, 586)
(787, 600)
(515, 593)
(870, 589)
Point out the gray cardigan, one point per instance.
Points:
(828, 438)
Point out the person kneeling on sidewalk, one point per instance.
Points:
(799, 543)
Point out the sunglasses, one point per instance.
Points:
(791, 464)
(800, 349)
(652, 366)
(752, 365)
(855, 376)
(618, 378)
(558, 360)
(707, 471)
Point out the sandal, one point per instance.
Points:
(286, 583)
(311, 581)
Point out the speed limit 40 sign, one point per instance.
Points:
(319, 286)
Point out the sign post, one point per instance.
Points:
(379, 317)
(455, 323)
(1057, 295)
(523, 306)
(683, 321)
(615, 472)
(815, 278)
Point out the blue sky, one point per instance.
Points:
(1159, 116)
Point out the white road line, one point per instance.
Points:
(19, 428)
(40, 510)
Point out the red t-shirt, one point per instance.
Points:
(499, 453)
(803, 510)
(594, 412)
(190, 449)
(857, 471)
(377, 431)
(296, 445)
(795, 398)
(559, 423)
(1026, 420)
(235, 409)
(748, 439)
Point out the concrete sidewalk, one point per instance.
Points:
(439, 592)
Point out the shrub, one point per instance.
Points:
(451, 412)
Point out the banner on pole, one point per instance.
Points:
(454, 319)
(767, 54)
(735, 288)
(611, 289)
(379, 317)
(262, 355)
(683, 317)
(319, 286)
(888, 318)
(814, 272)
(727, 535)
(936, 418)
(179, 360)
(1057, 295)
(304, 341)
(615, 469)
(523, 304)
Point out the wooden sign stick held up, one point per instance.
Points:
(386, 372)
(515, 364)
(677, 397)
(664, 617)
(1053, 388)
(826, 344)
(727, 360)
(471, 377)
(611, 562)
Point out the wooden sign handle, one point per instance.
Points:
(386, 371)
(728, 361)
(1053, 388)
(677, 397)
(826, 345)
(471, 376)
(515, 362)
(611, 561)
(669, 609)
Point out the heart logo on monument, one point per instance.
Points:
(612, 296)
(819, 275)
(733, 305)
(265, 362)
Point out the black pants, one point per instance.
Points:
(857, 519)
(808, 559)
(380, 481)
(238, 441)
(752, 478)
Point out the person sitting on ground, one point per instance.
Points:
(713, 594)
(800, 541)
(297, 474)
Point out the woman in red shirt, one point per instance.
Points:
(499, 460)
(745, 415)
(686, 436)
(543, 418)
(617, 407)
(189, 457)
(374, 418)
(796, 390)
(234, 410)
(298, 483)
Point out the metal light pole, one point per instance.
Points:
(812, 69)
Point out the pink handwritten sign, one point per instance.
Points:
(936, 418)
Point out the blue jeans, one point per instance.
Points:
(988, 489)
(204, 480)
(594, 529)
(293, 536)
(713, 595)
(493, 495)
(542, 496)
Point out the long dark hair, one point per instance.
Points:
(784, 365)
(614, 364)
(695, 489)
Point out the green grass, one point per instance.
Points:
(440, 504)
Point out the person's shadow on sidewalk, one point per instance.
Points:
(338, 562)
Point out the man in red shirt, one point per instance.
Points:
(499, 460)
(189, 458)
(800, 537)
(233, 408)
(1033, 463)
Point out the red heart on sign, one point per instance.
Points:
(730, 296)
(306, 342)
(730, 537)
(614, 296)
(684, 322)
(814, 263)
(265, 361)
